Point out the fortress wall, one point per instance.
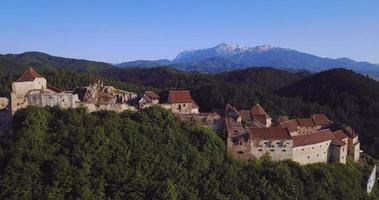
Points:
(312, 153)
(277, 149)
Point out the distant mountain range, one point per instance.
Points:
(227, 57)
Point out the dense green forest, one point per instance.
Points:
(67, 149)
(343, 95)
(69, 154)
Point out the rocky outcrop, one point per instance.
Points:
(99, 94)
(3, 103)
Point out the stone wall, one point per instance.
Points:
(43, 99)
(3, 103)
(313, 153)
(185, 108)
(307, 130)
(354, 148)
(276, 149)
(91, 107)
(338, 154)
(21, 88)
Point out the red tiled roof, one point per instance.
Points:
(269, 133)
(340, 134)
(151, 95)
(29, 75)
(257, 109)
(260, 117)
(180, 96)
(315, 138)
(54, 89)
(320, 119)
(307, 122)
(291, 125)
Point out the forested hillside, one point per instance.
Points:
(353, 99)
(72, 154)
(343, 95)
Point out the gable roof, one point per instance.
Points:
(150, 95)
(29, 75)
(260, 118)
(291, 125)
(230, 111)
(54, 89)
(180, 96)
(320, 119)
(340, 134)
(258, 110)
(316, 137)
(269, 133)
(306, 122)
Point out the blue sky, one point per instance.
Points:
(116, 31)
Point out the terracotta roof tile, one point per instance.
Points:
(260, 117)
(320, 119)
(180, 96)
(29, 75)
(257, 109)
(340, 134)
(269, 133)
(54, 89)
(306, 122)
(291, 125)
(315, 138)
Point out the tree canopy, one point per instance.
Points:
(52, 153)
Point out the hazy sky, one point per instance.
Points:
(115, 31)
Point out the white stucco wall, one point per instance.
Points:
(64, 100)
(277, 149)
(21, 88)
(313, 153)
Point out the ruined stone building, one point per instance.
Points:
(149, 98)
(308, 140)
(32, 89)
(99, 97)
(180, 101)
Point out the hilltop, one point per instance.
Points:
(228, 57)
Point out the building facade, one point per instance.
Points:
(32, 89)
(181, 102)
(305, 141)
